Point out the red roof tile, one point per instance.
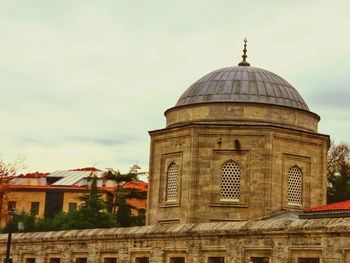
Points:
(340, 206)
(33, 175)
(139, 203)
(142, 186)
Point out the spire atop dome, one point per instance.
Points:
(244, 62)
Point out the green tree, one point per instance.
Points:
(92, 213)
(338, 172)
(123, 214)
(118, 204)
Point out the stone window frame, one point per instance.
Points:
(53, 256)
(140, 253)
(305, 252)
(105, 258)
(25, 254)
(28, 256)
(108, 254)
(257, 252)
(220, 157)
(166, 160)
(216, 256)
(179, 253)
(137, 261)
(304, 164)
(80, 254)
(78, 259)
(222, 252)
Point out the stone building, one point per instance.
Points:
(239, 159)
(239, 144)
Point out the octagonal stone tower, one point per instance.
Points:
(239, 144)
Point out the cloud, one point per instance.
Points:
(84, 81)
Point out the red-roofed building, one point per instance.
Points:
(340, 209)
(44, 194)
(340, 206)
(30, 179)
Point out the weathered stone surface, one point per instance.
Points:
(265, 156)
(280, 240)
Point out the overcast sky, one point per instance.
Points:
(82, 82)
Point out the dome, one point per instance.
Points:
(243, 84)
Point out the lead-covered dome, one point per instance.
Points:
(242, 84)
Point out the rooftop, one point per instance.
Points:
(340, 206)
(242, 84)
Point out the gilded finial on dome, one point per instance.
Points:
(244, 62)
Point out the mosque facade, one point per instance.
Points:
(240, 144)
(239, 159)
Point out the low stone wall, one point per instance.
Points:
(278, 240)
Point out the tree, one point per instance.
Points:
(28, 222)
(338, 172)
(7, 171)
(92, 213)
(123, 214)
(118, 204)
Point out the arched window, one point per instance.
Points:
(230, 181)
(295, 182)
(172, 182)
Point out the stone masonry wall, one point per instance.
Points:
(281, 241)
(264, 154)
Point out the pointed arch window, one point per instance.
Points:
(172, 182)
(230, 181)
(295, 182)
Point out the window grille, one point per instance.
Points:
(172, 182)
(230, 181)
(295, 186)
